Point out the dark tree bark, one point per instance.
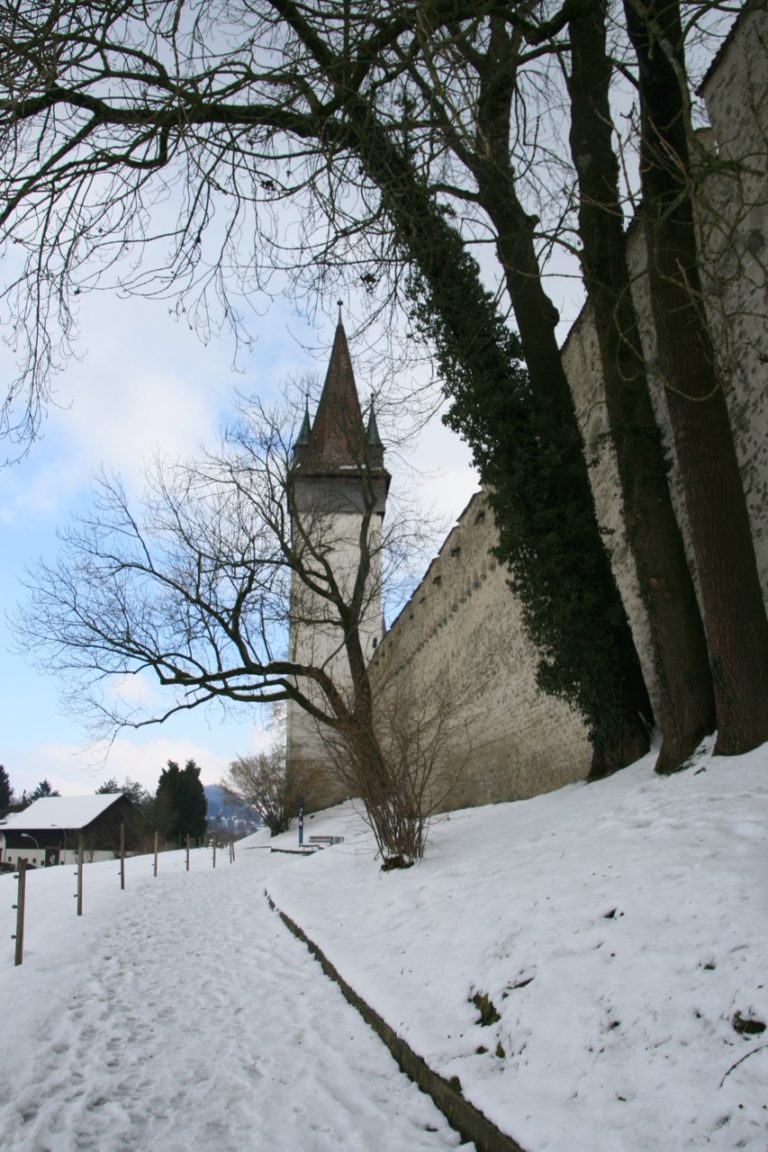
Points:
(685, 684)
(734, 611)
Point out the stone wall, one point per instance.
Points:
(462, 626)
(461, 636)
(735, 229)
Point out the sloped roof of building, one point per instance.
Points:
(70, 812)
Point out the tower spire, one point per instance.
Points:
(375, 446)
(337, 438)
(302, 440)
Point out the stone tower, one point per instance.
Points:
(337, 472)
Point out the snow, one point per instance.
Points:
(180, 1013)
(60, 812)
(620, 929)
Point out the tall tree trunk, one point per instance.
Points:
(734, 611)
(666, 585)
(551, 395)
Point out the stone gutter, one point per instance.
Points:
(462, 1116)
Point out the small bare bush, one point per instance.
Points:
(402, 777)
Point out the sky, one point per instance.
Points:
(143, 382)
(617, 928)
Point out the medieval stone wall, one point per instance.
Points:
(460, 636)
(463, 625)
(735, 228)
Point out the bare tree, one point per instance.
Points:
(680, 650)
(193, 587)
(264, 783)
(424, 752)
(481, 88)
(307, 107)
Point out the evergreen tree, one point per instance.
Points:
(180, 803)
(108, 787)
(41, 792)
(6, 792)
(135, 791)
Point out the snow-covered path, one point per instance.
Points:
(229, 1038)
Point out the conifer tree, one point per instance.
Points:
(181, 806)
(41, 792)
(6, 792)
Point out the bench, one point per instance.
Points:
(326, 840)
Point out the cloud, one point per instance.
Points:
(440, 473)
(75, 770)
(78, 769)
(142, 384)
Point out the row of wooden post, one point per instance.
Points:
(22, 877)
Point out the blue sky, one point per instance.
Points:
(142, 382)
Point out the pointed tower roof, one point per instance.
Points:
(302, 440)
(331, 455)
(375, 446)
(372, 431)
(337, 439)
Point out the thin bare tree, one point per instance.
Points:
(264, 783)
(193, 588)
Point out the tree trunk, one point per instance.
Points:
(734, 611)
(553, 402)
(666, 585)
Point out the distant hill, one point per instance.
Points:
(227, 815)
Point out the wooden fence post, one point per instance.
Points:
(187, 851)
(157, 838)
(80, 861)
(214, 851)
(122, 857)
(19, 937)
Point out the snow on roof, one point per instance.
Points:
(60, 812)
